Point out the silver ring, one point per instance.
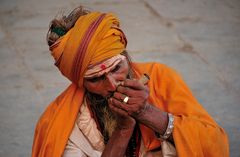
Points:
(125, 100)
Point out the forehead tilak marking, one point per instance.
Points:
(103, 66)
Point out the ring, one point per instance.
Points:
(125, 100)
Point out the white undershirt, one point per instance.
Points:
(87, 141)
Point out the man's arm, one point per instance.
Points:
(118, 142)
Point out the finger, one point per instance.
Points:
(119, 96)
(133, 101)
(135, 84)
(116, 109)
(119, 104)
(130, 109)
(128, 91)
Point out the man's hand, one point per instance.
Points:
(124, 121)
(138, 95)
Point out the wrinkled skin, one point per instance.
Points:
(106, 86)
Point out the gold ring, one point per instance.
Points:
(125, 100)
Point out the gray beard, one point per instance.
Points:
(104, 115)
(109, 120)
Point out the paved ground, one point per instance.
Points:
(199, 38)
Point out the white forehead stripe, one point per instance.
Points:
(103, 67)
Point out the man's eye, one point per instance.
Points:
(95, 79)
(116, 68)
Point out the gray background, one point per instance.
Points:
(199, 38)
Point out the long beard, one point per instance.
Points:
(105, 117)
(109, 121)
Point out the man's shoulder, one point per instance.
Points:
(52, 108)
(155, 70)
(149, 67)
(46, 116)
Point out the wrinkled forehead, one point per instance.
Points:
(104, 66)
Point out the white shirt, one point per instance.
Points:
(87, 141)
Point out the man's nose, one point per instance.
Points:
(111, 82)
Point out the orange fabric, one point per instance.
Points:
(56, 123)
(195, 132)
(94, 37)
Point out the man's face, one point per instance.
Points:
(106, 84)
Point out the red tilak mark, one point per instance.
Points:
(103, 66)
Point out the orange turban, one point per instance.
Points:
(94, 37)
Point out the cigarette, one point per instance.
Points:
(144, 79)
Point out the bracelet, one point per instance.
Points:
(169, 129)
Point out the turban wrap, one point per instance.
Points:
(95, 37)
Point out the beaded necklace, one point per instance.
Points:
(134, 143)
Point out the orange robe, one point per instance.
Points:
(195, 132)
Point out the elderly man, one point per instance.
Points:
(107, 111)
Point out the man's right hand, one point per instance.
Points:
(124, 120)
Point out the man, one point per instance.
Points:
(106, 111)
